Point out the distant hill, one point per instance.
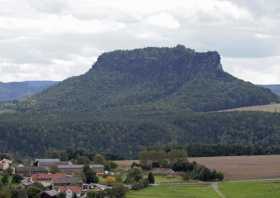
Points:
(131, 99)
(153, 79)
(274, 88)
(20, 90)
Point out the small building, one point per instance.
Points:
(67, 181)
(70, 191)
(72, 169)
(47, 163)
(98, 168)
(27, 181)
(5, 164)
(95, 187)
(49, 194)
(163, 171)
(26, 171)
(46, 179)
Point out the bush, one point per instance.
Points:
(151, 178)
(186, 177)
(33, 192)
(205, 174)
(197, 172)
(110, 180)
(144, 183)
(183, 166)
(17, 179)
(134, 175)
(89, 175)
(118, 191)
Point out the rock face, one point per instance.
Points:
(152, 79)
(152, 61)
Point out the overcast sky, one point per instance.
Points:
(56, 39)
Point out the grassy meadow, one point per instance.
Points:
(257, 189)
(236, 189)
(175, 191)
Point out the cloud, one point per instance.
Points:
(55, 39)
(258, 70)
(163, 20)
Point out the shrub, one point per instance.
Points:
(151, 178)
(134, 175)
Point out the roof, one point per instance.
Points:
(33, 169)
(68, 180)
(46, 176)
(47, 160)
(96, 166)
(102, 187)
(74, 189)
(6, 161)
(79, 166)
(51, 193)
(70, 166)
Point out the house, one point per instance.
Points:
(25, 171)
(47, 163)
(67, 181)
(27, 182)
(163, 171)
(96, 187)
(46, 179)
(98, 168)
(72, 169)
(5, 164)
(49, 194)
(70, 191)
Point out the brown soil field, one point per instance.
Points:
(236, 167)
(244, 167)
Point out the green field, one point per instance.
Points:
(260, 189)
(175, 191)
(168, 179)
(249, 189)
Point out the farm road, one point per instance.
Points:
(215, 187)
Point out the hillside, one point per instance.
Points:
(131, 99)
(264, 108)
(274, 88)
(151, 79)
(20, 90)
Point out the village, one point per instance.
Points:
(58, 177)
(99, 177)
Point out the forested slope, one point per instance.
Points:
(131, 99)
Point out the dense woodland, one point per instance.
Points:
(260, 132)
(140, 98)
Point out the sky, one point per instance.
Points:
(56, 39)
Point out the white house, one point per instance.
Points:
(5, 164)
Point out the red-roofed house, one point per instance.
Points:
(46, 179)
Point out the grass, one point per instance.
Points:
(175, 191)
(242, 189)
(168, 179)
(260, 189)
